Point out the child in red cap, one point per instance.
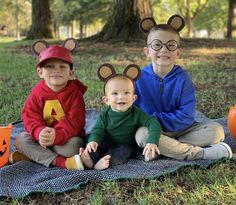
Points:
(54, 113)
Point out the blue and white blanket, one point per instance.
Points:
(22, 178)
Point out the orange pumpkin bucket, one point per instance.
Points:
(232, 121)
(5, 139)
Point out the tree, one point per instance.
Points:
(84, 12)
(213, 18)
(41, 26)
(207, 15)
(190, 9)
(58, 10)
(14, 15)
(231, 26)
(123, 24)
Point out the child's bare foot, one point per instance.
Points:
(87, 161)
(103, 163)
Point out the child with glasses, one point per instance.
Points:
(166, 91)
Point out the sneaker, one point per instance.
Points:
(74, 162)
(17, 156)
(217, 151)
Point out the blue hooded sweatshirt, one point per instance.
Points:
(170, 99)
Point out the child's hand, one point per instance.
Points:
(150, 152)
(92, 146)
(47, 137)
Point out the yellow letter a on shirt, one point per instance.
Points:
(52, 111)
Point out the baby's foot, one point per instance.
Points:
(86, 159)
(103, 163)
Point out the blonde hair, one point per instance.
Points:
(121, 77)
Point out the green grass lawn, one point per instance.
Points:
(212, 65)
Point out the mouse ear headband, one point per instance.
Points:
(70, 44)
(106, 71)
(63, 52)
(176, 22)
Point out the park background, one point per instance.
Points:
(113, 19)
(108, 32)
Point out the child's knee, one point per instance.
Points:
(214, 132)
(219, 132)
(70, 148)
(141, 136)
(21, 138)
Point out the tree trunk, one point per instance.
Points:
(123, 24)
(73, 29)
(231, 27)
(188, 18)
(81, 30)
(41, 20)
(56, 28)
(17, 21)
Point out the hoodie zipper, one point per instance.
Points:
(161, 86)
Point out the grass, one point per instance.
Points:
(211, 63)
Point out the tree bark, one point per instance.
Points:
(123, 24)
(231, 27)
(41, 20)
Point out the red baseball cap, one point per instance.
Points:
(58, 52)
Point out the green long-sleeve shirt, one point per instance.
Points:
(120, 127)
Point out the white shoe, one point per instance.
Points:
(217, 151)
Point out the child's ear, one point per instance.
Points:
(39, 71)
(105, 99)
(178, 52)
(146, 51)
(135, 97)
(72, 72)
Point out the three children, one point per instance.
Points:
(54, 113)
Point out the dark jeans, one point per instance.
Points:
(119, 153)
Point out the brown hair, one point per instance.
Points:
(163, 27)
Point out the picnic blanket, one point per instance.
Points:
(22, 178)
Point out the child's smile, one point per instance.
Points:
(162, 58)
(119, 94)
(56, 73)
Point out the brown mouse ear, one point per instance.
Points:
(132, 71)
(71, 44)
(177, 22)
(105, 71)
(38, 46)
(146, 24)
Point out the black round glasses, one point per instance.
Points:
(157, 45)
